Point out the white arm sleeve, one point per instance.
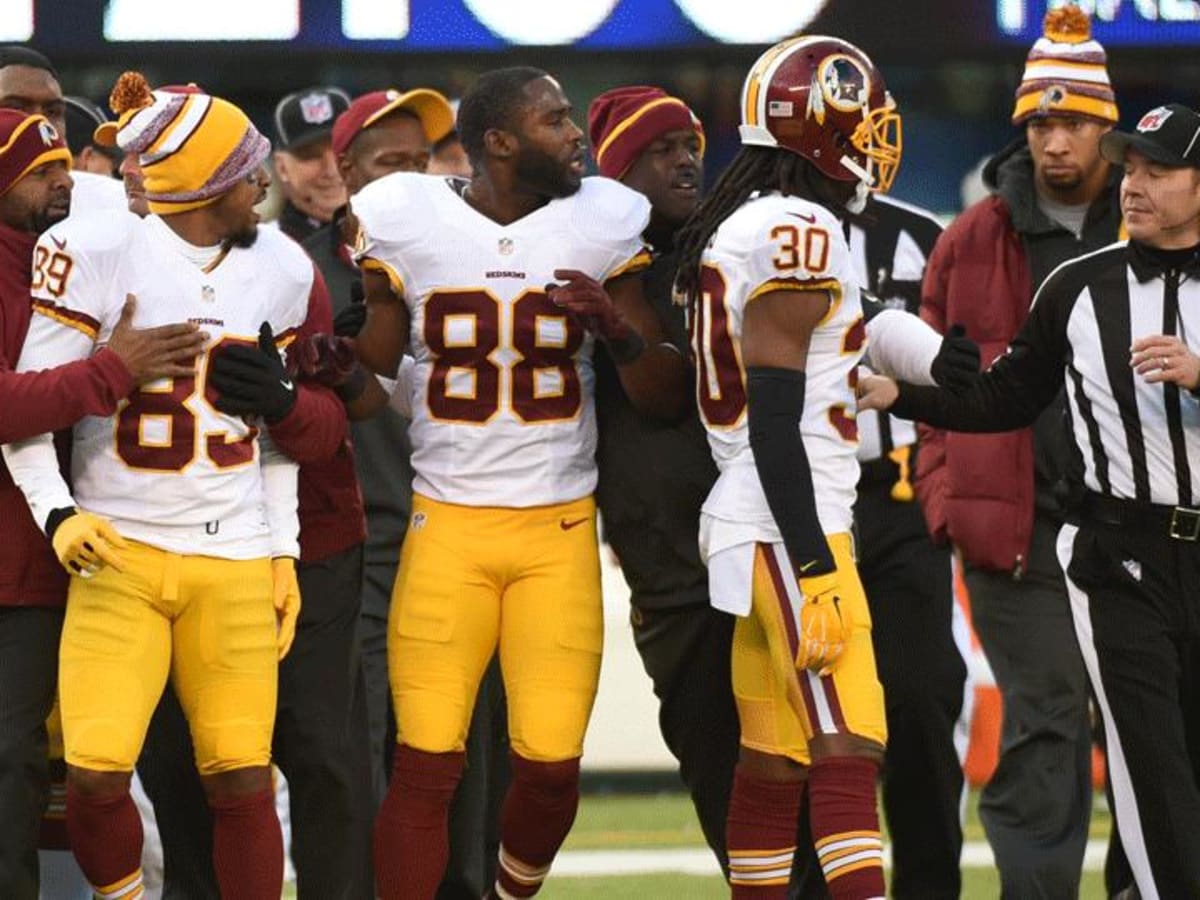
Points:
(279, 476)
(401, 389)
(33, 464)
(902, 346)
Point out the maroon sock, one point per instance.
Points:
(760, 831)
(845, 826)
(539, 810)
(412, 844)
(247, 846)
(106, 837)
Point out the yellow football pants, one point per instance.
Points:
(781, 708)
(208, 624)
(472, 579)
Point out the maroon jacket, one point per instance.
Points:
(977, 489)
(316, 435)
(34, 403)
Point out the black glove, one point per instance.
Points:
(349, 322)
(956, 365)
(253, 380)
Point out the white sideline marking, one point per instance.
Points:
(699, 861)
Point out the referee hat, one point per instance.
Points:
(1169, 135)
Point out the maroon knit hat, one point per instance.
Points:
(624, 121)
(27, 142)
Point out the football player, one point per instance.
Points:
(180, 531)
(499, 287)
(778, 333)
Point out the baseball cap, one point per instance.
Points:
(433, 110)
(83, 118)
(1169, 135)
(308, 115)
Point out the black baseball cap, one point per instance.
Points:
(1169, 135)
(83, 118)
(308, 115)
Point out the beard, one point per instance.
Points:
(545, 174)
(244, 238)
(49, 215)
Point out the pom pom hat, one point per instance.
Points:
(192, 147)
(1065, 73)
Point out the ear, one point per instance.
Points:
(500, 143)
(345, 166)
(279, 161)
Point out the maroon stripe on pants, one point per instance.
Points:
(789, 625)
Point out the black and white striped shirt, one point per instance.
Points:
(1134, 440)
(889, 247)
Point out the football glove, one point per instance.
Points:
(825, 623)
(253, 380)
(286, 596)
(589, 301)
(85, 543)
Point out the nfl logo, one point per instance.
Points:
(207, 294)
(316, 109)
(505, 246)
(1154, 120)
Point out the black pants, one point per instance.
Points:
(28, 678)
(1135, 602)
(909, 590)
(320, 745)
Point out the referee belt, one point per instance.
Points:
(1180, 523)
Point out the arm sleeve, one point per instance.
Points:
(1013, 392)
(280, 496)
(900, 344)
(401, 389)
(38, 402)
(33, 464)
(316, 427)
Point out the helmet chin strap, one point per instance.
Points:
(858, 202)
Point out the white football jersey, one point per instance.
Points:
(775, 243)
(167, 469)
(502, 392)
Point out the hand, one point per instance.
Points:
(825, 623)
(85, 543)
(168, 351)
(957, 362)
(285, 593)
(253, 380)
(324, 359)
(586, 298)
(876, 392)
(1164, 357)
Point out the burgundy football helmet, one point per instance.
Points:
(822, 98)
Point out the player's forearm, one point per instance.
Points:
(657, 383)
(38, 402)
(902, 346)
(33, 464)
(280, 499)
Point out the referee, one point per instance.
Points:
(1115, 326)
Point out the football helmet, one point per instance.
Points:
(822, 98)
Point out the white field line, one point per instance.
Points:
(699, 861)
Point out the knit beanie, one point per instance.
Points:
(1065, 73)
(625, 121)
(27, 142)
(192, 147)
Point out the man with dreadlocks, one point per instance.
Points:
(778, 332)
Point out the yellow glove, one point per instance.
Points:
(825, 623)
(286, 594)
(85, 543)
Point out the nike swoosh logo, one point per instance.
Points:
(287, 385)
(804, 217)
(808, 565)
(61, 245)
(567, 526)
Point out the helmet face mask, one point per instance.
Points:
(823, 99)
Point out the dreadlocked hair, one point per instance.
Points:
(753, 169)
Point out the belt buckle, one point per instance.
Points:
(1185, 524)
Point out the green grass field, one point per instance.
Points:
(615, 822)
